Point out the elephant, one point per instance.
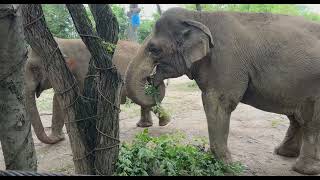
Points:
(77, 59)
(268, 61)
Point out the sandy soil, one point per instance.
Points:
(252, 139)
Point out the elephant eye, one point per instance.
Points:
(154, 50)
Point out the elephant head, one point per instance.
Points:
(175, 44)
(36, 82)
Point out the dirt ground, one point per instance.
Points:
(252, 139)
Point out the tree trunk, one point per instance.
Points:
(63, 83)
(104, 19)
(15, 126)
(198, 7)
(109, 86)
(159, 9)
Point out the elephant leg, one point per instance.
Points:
(146, 119)
(291, 145)
(57, 121)
(218, 109)
(308, 161)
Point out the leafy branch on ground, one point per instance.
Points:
(167, 155)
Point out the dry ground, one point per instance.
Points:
(253, 133)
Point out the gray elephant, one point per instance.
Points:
(77, 59)
(271, 62)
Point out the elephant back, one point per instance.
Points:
(123, 54)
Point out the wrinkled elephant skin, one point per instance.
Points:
(271, 62)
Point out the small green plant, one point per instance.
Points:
(275, 122)
(129, 102)
(109, 47)
(190, 86)
(166, 155)
(193, 84)
(152, 91)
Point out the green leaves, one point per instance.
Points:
(59, 21)
(109, 47)
(288, 9)
(157, 109)
(168, 155)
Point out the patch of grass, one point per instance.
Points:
(188, 86)
(275, 123)
(130, 108)
(166, 155)
(66, 169)
(44, 102)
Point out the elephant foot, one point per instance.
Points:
(144, 123)
(308, 166)
(287, 151)
(225, 156)
(164, 121)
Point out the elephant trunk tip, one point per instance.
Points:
(48, 140)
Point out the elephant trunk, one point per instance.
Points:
(34, 117)
(137, 74)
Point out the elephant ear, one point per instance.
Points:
(197, 41)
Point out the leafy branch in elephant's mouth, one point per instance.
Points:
(153, 91)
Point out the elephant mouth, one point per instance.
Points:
(152, 78)
(154, 88)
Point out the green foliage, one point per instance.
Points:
(157, 109)
(122, 20)
(129, 102)
(287, 9)
(146, 27)
(61, 25)
(193, 84)
(109, 47)
(168, 156)
(59, 21)
(160, 111)
(151, 91)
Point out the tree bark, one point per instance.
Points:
(198, 7)
(102, 14)
(109, 86)
(15, 126)
(63, 83)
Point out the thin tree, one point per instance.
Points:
(63, 83)
(15, 127)
(108, 87)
